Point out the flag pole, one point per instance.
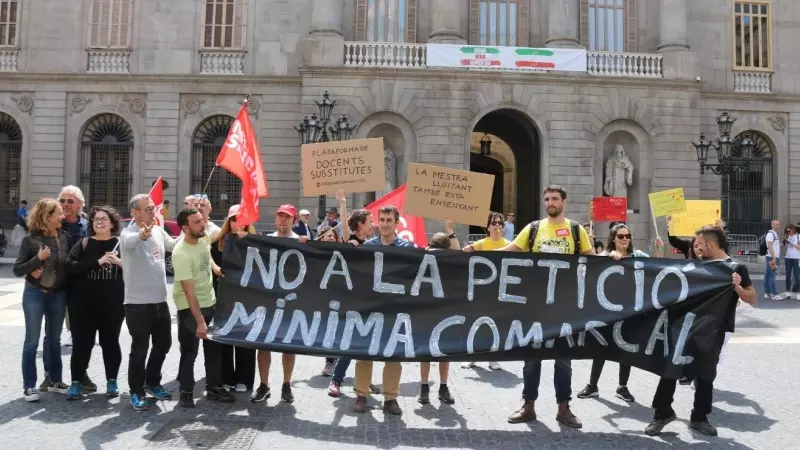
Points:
(246, 97)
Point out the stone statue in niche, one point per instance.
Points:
(619, 173)
(390, 166)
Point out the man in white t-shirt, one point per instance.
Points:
(773, 241)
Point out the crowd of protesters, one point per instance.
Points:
(89, 271)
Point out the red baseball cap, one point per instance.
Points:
(289, 210)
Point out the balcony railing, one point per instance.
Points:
(109, 61)
(611, 64)
(759, 82)
(384, 54)
(222, 62)
(8, 59)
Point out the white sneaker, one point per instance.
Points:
(30, 395)
(227, 387)
(59, 387)
(467, 365)
(241, 388)
(67, 342)
(776, 297)
(768, 296)
(786, 295)
(494, 365)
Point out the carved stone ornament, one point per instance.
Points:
(24, 103)
(78, 104)
(135, 105)
(778, 122)
(191, 106)
(253, 106)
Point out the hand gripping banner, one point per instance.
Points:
(386, 303)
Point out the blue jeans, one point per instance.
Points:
(792, 275)
(341, 369)
(50, 306)
(769, 278)
(562, 379)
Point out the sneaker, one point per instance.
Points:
(685, 381)
(58, 387)
(424, 393)
(112, 390)
(361, 405)
(655, 427)
(525, 414)
(30, 395)
(219, 394)
(87, 384)
(704, 427)
(392, 407)
(158, 392)
(777, 298)
(261, 394)
(228, 387)
(45, 386)
(139, 402)
(328, 370)
(566, 417)
(67, 342)
(240, 388)
(467, 365)
(335, 389)
(625, 394)
(494, 365)
(286, 393)
(74, 391)
(186, 399)
(589, 391)
(768, 296)
(444, 395)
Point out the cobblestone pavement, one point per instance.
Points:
(756, 394)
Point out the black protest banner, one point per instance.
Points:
(386, 303)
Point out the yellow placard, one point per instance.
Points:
(667, 203)
(698, 213)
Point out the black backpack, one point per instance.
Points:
(762, 243)
(576, 235)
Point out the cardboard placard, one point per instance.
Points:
(698, 213)
(610, 209)
(353, 166)
(667, 203)
(436, 192)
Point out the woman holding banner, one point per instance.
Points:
(620, 245)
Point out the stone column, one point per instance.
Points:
(325, 40)
(446, 22)
(564, 24)
(679, 60)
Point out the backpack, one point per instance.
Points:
(762, 243)
(574, 227)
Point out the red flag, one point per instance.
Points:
(157, 196)
(240, 155)
(410, 228)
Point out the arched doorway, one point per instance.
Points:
(225, 189)
(105, 161)
(11, 162)
(750, 188)
(513, 160)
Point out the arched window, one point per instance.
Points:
(750, 188)
(105, 161)
(386, 20)
(224, 189)
(10, 161)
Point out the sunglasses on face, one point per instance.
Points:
(496, 222)
(624, 236)
(68, 201)
(201, 196)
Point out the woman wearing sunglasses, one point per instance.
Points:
(620, 245)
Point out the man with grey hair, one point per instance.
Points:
(143, 245)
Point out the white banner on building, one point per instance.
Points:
(498, 57)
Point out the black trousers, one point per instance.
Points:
(146, 322)
(190, 344)
(597, 369)
(665, 392)
(90, 317)
(238, 365)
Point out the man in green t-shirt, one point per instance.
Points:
(194, 297)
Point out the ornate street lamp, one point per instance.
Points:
(315, 129)
(727, 162)
(486, 145)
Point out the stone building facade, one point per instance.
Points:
(111, 94)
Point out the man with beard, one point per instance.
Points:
(555, 234)
(710, 242)
(194, 297)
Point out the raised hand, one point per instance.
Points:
(340, 196)
(448, 225)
